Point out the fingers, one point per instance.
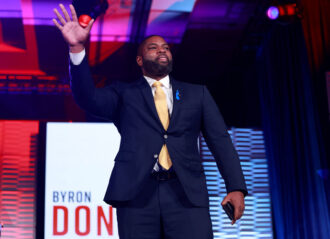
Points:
(224, 201)
(90, 24)
(59, 16)
(238, 213)
(65, 13)
(57, 24)
(73, 13)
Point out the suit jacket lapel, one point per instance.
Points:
(177, 100)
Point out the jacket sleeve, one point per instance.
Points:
(101, 102)
(219, 142)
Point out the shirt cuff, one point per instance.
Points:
(76, 58)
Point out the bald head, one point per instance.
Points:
(143, 42)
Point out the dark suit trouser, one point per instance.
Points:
(162, 211)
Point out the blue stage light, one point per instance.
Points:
(273, 12)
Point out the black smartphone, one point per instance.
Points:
(229, 209)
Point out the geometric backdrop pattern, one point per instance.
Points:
(18, 157)
(257, 219)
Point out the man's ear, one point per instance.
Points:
(139, 61)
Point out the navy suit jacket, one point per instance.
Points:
(130, 106)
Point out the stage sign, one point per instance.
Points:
(79, 161)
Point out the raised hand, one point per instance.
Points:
(74, 34)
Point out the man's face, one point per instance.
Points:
(156, 58)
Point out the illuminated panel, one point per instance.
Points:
(113, 26)
(111, 30)
(108, 34)
(82, 153)
(256, 222)
(169, 19)
(25, 84)
(15, 60)
(10, 9)
(39, 12)
(18, 144)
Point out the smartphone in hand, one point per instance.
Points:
(229, 209)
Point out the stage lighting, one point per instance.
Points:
(273, 12)
(283, 11)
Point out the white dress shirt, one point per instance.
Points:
(167, 87)
(76, 58)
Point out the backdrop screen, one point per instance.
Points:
(79, 160)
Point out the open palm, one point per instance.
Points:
(73, 33)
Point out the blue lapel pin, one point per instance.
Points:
(177, 95)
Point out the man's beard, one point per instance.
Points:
(155, 69)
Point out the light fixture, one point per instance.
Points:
(283, 11)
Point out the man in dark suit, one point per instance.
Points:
(157, 184)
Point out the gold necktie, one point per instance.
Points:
(162, 110)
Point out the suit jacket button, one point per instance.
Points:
(155, 156)
(165, 136)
